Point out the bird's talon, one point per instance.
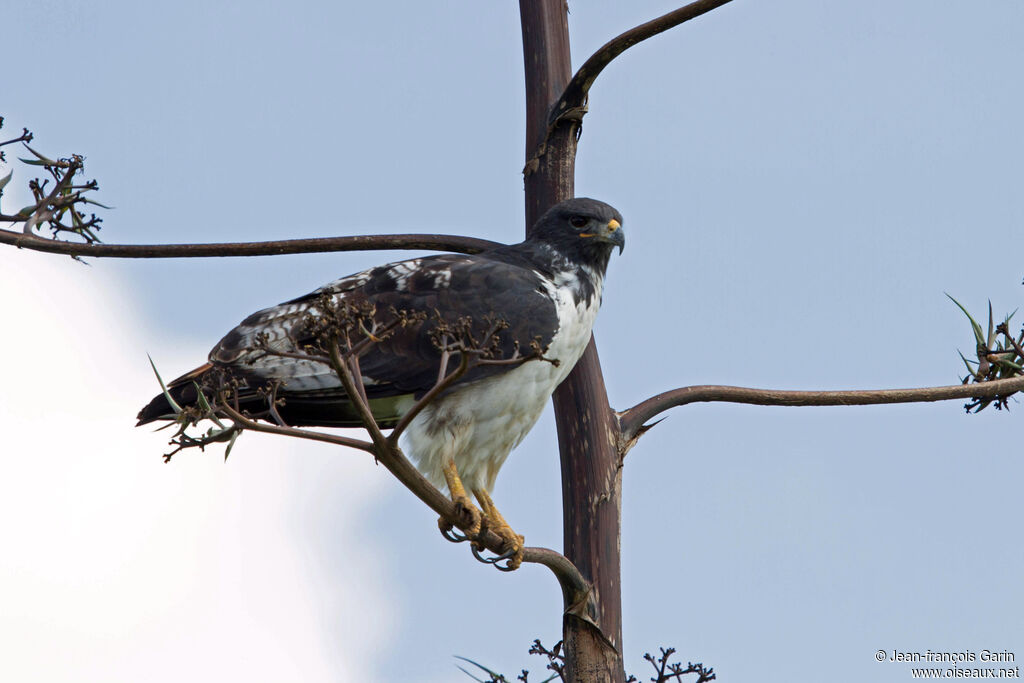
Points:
(514, 549)
(509, 566)
(476, 549)
(449, 532)
(510, 555)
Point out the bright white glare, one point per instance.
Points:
(117, 567)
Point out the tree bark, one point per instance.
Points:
(591, 478)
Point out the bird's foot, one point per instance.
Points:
(467, 517)
(512, 544)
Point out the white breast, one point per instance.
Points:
(479, 424)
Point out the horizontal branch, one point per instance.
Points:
(631, 421)
(456, 243)
(575, 94)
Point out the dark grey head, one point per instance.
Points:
(585, 230)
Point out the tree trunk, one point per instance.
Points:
(591, 477)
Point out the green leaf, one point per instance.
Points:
(478, 680)
(991, 328)
(974, 323)
(90, 201)
(6, 179)
(201, 398)
(1008, 364)
(494, 675)
(970, 370)
(205, 405)
(46, 161)
(231, 444)
(174, 404)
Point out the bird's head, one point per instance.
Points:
(582, 227)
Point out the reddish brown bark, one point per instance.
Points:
(586, 428)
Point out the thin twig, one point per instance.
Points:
(631, 421)
(417, 408)
(357, 349)
(344, 373)
(272, 404)
(308, 434)
(574, 97)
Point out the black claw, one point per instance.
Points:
(454, 536)
(493, 560)
(507, 568)
(478, 556)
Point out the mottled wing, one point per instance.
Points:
(447, 287)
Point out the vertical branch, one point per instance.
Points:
(591, 491)
(550, 154)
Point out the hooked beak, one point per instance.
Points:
(611, 233)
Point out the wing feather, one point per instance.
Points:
(449, 286)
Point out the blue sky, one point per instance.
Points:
(801, 182)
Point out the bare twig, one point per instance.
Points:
(357, 395)
(573, 101)
(26, 136)
(555, 656)
(631, 421)
(665, 670)
(439, 386)
(307, 434)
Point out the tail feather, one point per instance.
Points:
(299, 409)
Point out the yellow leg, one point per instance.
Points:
(496, 523)
(469, 516)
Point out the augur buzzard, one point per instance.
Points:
(546, 291)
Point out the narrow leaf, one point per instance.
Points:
(974, 323)
(478, 680)
(231, 444)
(490, 673)
(970, 370)
(1008, 364)
(205, 405)
(46, 161)
(91, 201)
(174, 404)
(991, 329)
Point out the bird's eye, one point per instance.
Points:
(578, 221)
